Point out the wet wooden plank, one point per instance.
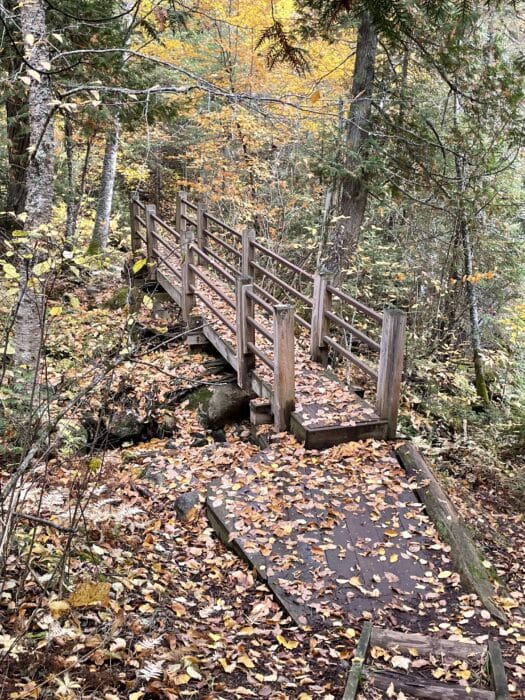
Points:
(358, 660)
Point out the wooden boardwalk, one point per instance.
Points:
(275, 324)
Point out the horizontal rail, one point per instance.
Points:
(354, 331)
(213, 264)
(261, 355)
(173, 251)
(140, 220)
(366, 310)
(257, 299)
(283, 261)
(299, 295)
(175, 272)
(139, 204)
(165, 226)
(350, 356)
(188, 219)
(210, 284)
(139, 235)
(259, 328)
(212, 308)
(300, 320)
(217, 221)
(223, 243)
(218, 257)
(189, 204)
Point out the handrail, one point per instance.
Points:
(190, 204)
(224, 225)
(188, 219)
(299, 295)
(165, 226)
(215, 238)
(210, 284)
(259, 328)
(354, 331)
(166, 245)
(219, 269)
(177, 274)
(356, 304)
(140, 220)
(350, 356)
(218, 257)
(261, 355)
(283, 261)
(257, 299)
(300, 320)
(139, 204)
(212, 308)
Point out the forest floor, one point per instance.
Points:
(107, 594)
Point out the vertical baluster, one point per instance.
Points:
(321, 302)
(391, 357)
(133, 224)
(245, 332)
(151, 242)
(248, 252)
(284, 365)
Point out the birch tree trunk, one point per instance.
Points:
(29, 322)
(99, 238)
(352, 192)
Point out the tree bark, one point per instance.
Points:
(100, 236)
(352, 186)
(28, 328)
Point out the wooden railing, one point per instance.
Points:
(264, 300)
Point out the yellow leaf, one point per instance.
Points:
(349, 633)
(136, 696)
(55, 311)
(393, 558)
(139, 264)
(214, 637)
(58, 608)
(10, 271)
(287, 643)
(314, 97)
(193, 672)
(444, 574)
(391, 533)
(90, 593)
(147, 301)
(229, 668)
(246, 661)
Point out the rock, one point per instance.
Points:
(218, 435)
(125, 426)
(187, 505)
(126, 296)
(227, 403)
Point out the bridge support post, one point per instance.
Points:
(187, 240)
(245, 332)
(151, 242)
(321, 302)
(284, 365)
(248, 252)
(135, 240)
(390, 372)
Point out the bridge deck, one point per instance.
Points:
(326, 411)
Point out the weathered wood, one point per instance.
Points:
(321, 437)
(260, 412)
(464, 553)
(358, 660)
(187, 238)
(200, 237)
(498, 677)
(321, 302)
(248, 252)
(447, 649)
(195, 338)
(135, 240)
(425, 689)
(391, 357)
(284, 365)
(245, 332)
(151, 243)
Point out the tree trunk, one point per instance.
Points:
(352, 186)
(28, 328)
(99, 238)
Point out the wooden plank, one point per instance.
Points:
(445, 648)
(284, 365)
(151, 242)
(321, 302)
(245, 332)
(327, 436)
(248, 252)
(169, 287)
(260, 412)
(358, 660)
(464, 553)
(498, 677)
(135, 239)
(416, 688)
(187, 238)
(200, 237)
(222, 346)
(390, 371)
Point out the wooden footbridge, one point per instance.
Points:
(275, 324)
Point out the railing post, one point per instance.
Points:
(245, 332)
(187, 240)
(248, 252)
(321, 302)
(284, 365)
(201, 226)
(135, 240)
(151, 243)
(391, 357)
